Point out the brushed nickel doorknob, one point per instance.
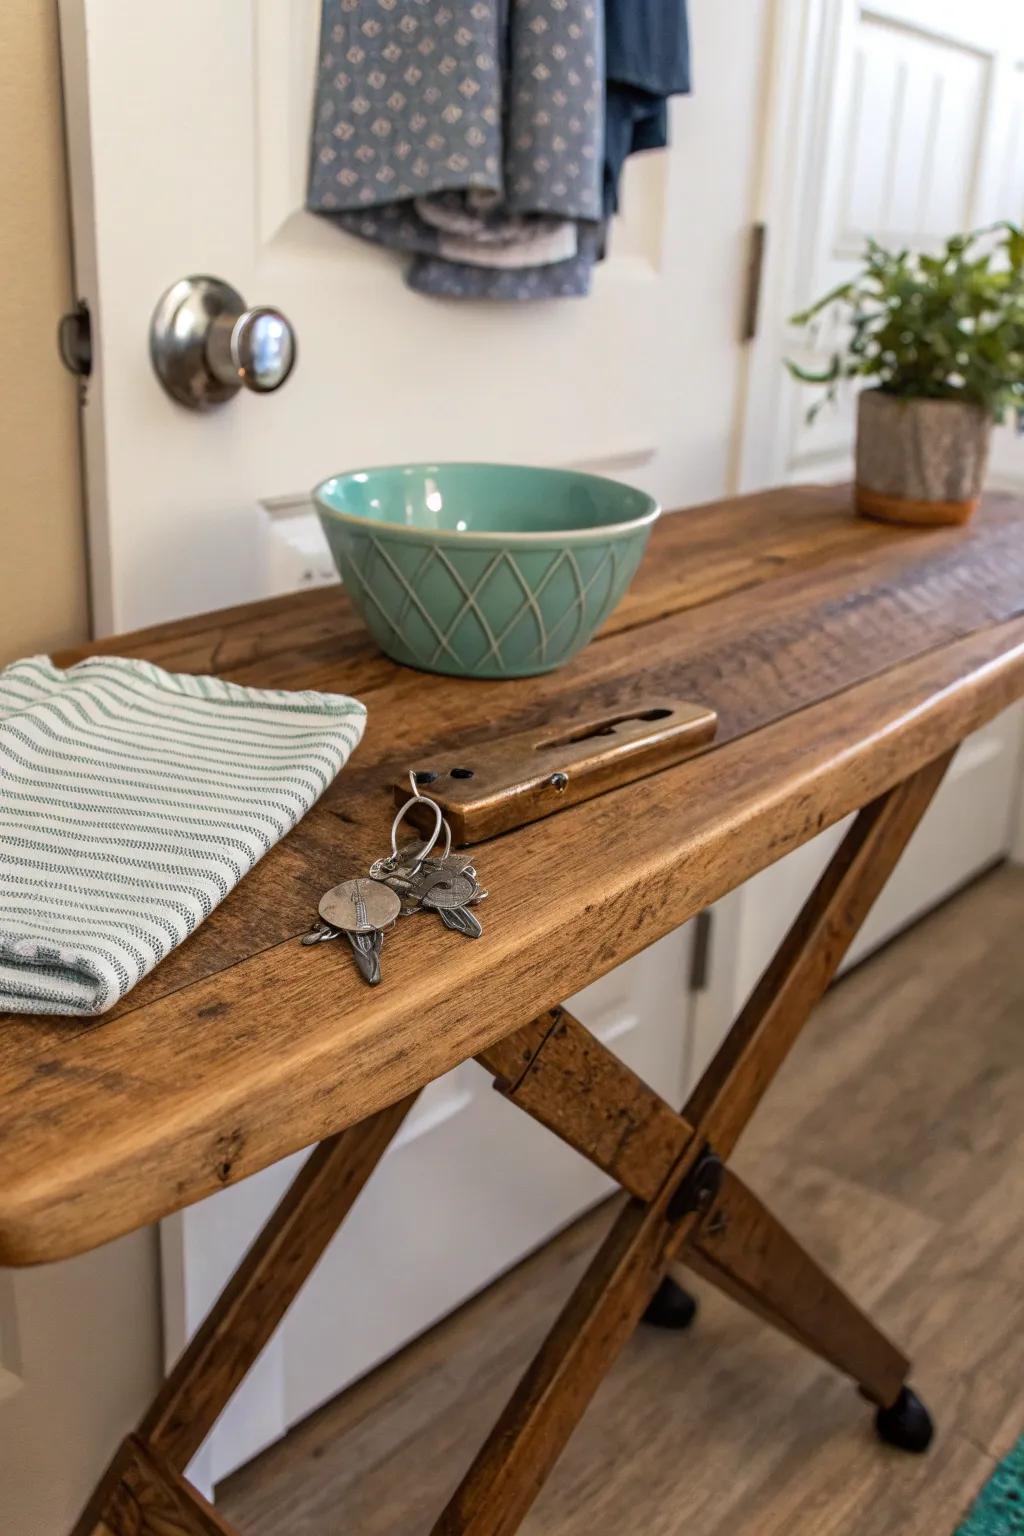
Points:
(206, 345)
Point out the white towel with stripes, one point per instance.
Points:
(131, 801)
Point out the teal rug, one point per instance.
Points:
(999, 1508)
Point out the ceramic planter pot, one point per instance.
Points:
(919, 461)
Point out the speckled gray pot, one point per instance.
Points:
(920, 461)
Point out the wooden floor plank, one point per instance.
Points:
(904, 1174)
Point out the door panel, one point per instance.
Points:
(910, 111)
(911, 135)
(79, 1362)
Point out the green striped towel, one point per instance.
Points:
(131, 801)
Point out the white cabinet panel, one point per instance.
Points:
(970, 824)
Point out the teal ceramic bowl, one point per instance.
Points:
(483, 570)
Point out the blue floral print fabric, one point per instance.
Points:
(468, 134)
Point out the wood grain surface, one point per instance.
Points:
(143, 1495)
(563, 1076)
(496, 786)
(557, 1072)
(840, 656)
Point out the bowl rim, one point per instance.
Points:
(468, 536)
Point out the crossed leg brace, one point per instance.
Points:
(685, 1204)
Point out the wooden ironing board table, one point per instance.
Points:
(846, 661)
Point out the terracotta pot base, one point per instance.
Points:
(901, 509)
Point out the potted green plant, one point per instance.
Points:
(942, 339)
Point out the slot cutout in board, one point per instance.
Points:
(500, 784)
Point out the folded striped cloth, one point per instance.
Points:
(131, 801)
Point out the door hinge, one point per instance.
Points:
(755, 274)
(700, 957)
(74, 340)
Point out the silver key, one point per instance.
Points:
(408, 861)
(450, 894)
(409, 869)
(361, 909)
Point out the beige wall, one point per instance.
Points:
(42, 558)
(81, 1361)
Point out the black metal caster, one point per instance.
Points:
(670, 1306)
(907, 1424)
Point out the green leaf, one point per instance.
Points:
(947, 325)
(834, 295)
(809, 376)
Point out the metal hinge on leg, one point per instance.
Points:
(699, 1187)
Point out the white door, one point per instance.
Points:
(898, 119)
(188, 129)
(901, 119)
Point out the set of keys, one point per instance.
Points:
(406, 881)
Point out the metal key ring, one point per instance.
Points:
(416, 794)
(426, 852)
(439, 822)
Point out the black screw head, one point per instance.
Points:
(559, 781)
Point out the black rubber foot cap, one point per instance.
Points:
(670, 1307)
(907, 1424)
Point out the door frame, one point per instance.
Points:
(806, 38)
(81, 198)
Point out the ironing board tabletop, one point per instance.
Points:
(841, 655)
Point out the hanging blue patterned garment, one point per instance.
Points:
(470, 135)
(486, 137)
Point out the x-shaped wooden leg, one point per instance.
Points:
(684, 1203)
(143, 1492)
